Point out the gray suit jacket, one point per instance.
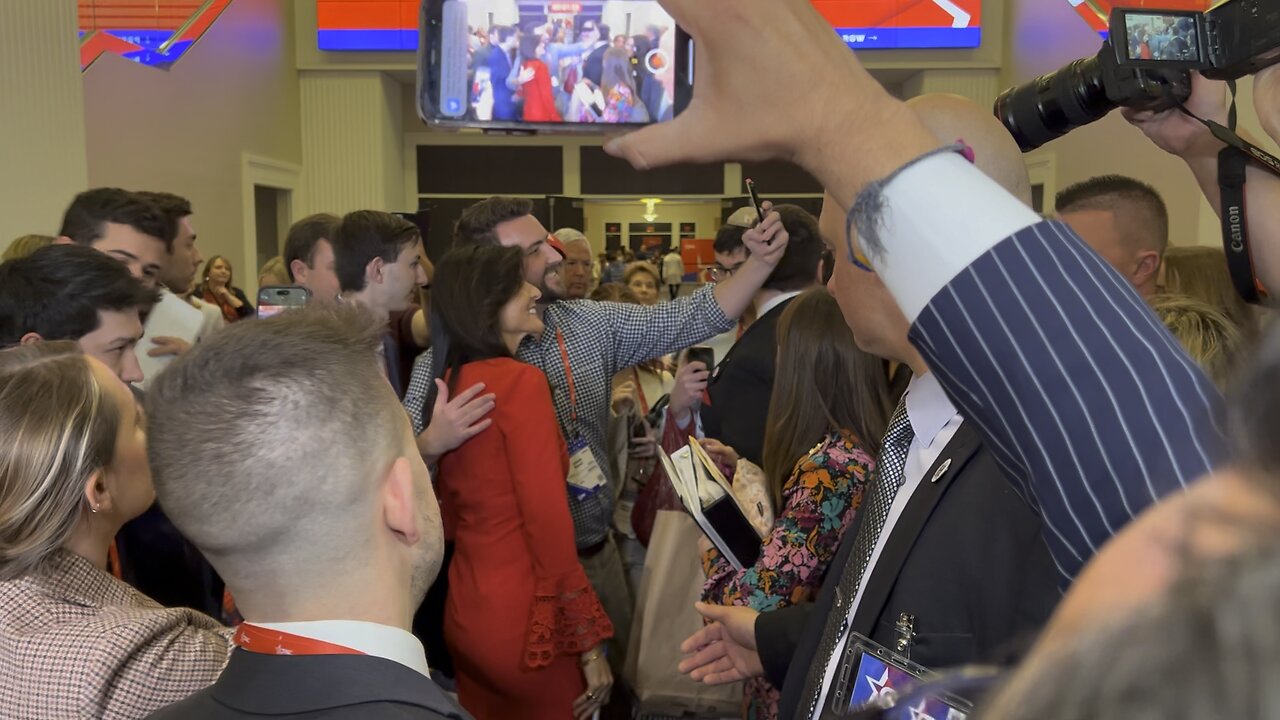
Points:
(314, 687)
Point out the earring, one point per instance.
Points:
(94, 509)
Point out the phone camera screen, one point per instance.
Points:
(556, 62)
(1162, 37)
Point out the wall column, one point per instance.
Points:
(352, 142)
(42, 147)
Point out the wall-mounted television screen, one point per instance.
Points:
(392, 25)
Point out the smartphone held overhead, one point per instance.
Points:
(274, 300)
(550, 67)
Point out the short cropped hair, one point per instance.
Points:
(570, 236)
(174, 207)
(798, 268)
(478, 224)
(641, 267)
(58, 291)
(729, 239)
(1134, 203)
(91, 210)
(303, 237)
(364, 235)
(294, 486)
(1205, 332)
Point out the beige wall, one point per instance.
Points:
(42, 146)
(185, 130)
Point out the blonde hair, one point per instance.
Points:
(275, 269)
(1207, 334)
(23, 246)
(58, 426)
(1201, 273)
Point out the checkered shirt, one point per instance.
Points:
(77, 643)
(602, 339)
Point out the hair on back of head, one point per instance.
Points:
(321, 425)
(799, 266)
(25, 245)
(1117, 194)
(478, 224)
(85, 219)
(364, 235)
(1211, 338)
(58, 292)
(58, 426)
(303, 237)
(473, 283)
(174, 207)
(729, 239)
(824, 382)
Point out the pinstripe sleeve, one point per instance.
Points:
(1088, 402)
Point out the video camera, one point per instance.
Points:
(1144, 65)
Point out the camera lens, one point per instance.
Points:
(1053, 105)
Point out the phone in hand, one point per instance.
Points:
(755, 199)
(275, 299)
(702, 354)
(551, 67)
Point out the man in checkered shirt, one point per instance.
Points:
(601, 339)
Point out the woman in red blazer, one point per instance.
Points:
(525, 629)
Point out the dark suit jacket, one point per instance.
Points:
(967, 558)
(741, 387)
(499, 63)
(314, 687)
(593, 66)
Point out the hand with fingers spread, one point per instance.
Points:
(453, 422)
(595, 668)
(725, 650)
(789, 39)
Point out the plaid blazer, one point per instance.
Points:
(77, 643)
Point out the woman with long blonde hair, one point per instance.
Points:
(77, 641)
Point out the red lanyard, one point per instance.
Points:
(274, 642)
(113, 561)
(568, 373)
(644, 404)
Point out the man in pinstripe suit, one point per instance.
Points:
(1083, 397)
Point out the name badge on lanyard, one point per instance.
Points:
(585, 475)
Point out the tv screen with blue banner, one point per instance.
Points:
(392, 25)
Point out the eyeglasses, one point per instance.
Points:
(719, 274)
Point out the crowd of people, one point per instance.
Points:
(570, 71)
(976, 437)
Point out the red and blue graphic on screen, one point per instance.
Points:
(154, 33)
(881, 683)
(392, 25)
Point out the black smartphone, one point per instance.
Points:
(567, 67)
(702, 354)
(275, 299)
(755, 198)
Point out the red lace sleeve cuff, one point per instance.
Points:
(567, 619)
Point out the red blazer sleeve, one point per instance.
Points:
(567, 617)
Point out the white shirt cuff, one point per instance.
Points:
(939, 216)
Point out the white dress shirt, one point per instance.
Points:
(948, 211)
(171, 317)
(384, 641)
(778, 300)
(934, 420)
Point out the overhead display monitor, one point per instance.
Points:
(392, 25)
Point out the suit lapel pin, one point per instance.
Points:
(942, 470)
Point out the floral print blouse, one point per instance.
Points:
(819, 501)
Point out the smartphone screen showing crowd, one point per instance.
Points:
(553, 66)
